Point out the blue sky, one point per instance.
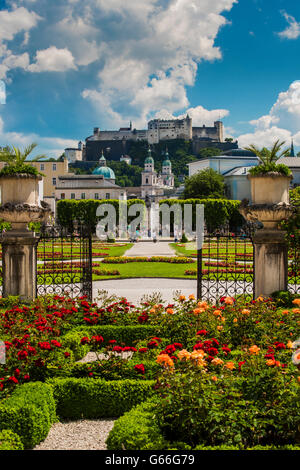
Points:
(69, 66)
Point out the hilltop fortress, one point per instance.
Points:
(161, 129)
(117, 143)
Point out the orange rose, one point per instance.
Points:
(296, 302)
(296, 310)
(254, 349)
(289, 344)
(197, 311)
(235, 320)
(182, 297)
(183, 354)
(217, 361)
(220, 327)
(192, 297)
(245, 312)
(228, 301)
(202, 304)
(285, 312)
(270, 362)
(229, 365)
(217, 313)
(260, 299)
(165, 359)
(215, 379)
(170, 311)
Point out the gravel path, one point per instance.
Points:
(78, 435)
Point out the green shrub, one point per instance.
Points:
(86, 398)
(29, 412)
(114, 369)
(10, 441)
(128, 334)
(137, 430)
(283, 298)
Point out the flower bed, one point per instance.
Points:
(217, 376)
(144, 259)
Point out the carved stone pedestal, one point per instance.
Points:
(271, 260)
(19, 258)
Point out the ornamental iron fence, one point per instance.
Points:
(64, 262)
(294, 264)
(226, 267)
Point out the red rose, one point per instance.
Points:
(142, 350)
(45, 345)
(152, 344)
(13, 380)
(202, 333)
(140, 368)
(84, 340)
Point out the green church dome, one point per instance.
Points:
(105, 171)
(149, 159)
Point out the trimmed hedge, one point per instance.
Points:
(217, 212)
(29, 412)
(86, 398)
(138, 429)
(84, 211)
(10, 441)
(127, 334)
(124, 371)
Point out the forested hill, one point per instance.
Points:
(180, 153)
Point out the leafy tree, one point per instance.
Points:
(206, 183)
(16, 160)
(267, 156)
(207, 152)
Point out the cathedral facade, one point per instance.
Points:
(153, 184)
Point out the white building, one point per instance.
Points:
(74, 154)
(154, 184)
(294, 165)
(99, 185)
(160, 129)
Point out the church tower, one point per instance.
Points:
(167, 175)
(149, 175)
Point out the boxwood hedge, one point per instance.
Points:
(97, 398)
(10, 440)
(29, 412)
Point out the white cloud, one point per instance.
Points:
(293, 29)
(151, 54)
(50, 146)
(265, 138)
(13, 22)
(10, 61)
(198, 114)
(53, 60)
(282, 122)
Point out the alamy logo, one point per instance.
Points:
(139, 221)
(2, 92)
(2, 352)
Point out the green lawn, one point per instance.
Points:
(214, 250)
(59, 251)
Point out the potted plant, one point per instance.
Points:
(270, 181)
(19, 188)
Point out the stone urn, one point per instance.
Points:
(270, 206)
(269, 188)
(19, 201)
(270, 200)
